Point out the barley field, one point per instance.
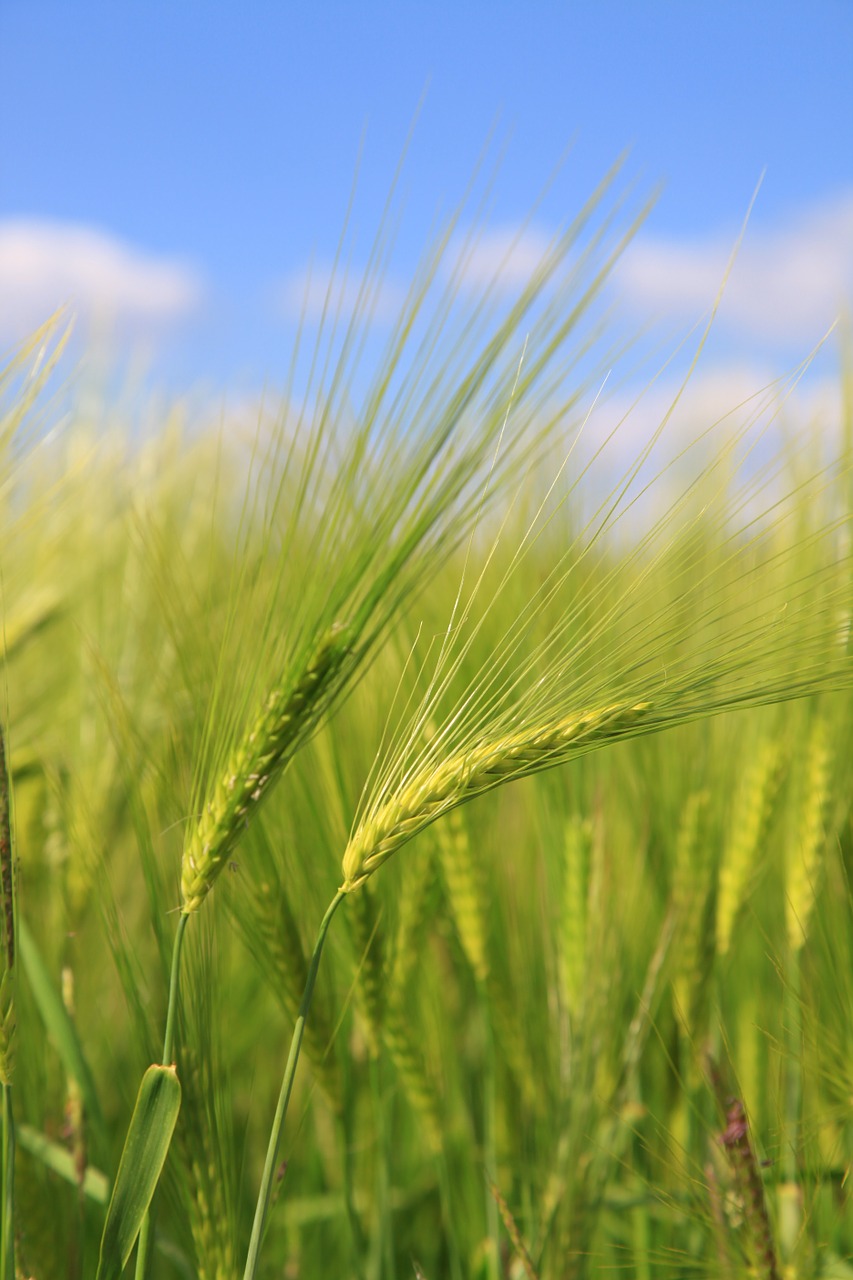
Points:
(425, 816)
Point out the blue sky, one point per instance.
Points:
(174, 168)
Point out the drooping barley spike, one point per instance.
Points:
(442, 785)
(463, 882)
(411, 1069)
(7, 925)
(368, 945)
(691, 890)
(804, 851)
(572, 939)
(255, 765)
(751, 815)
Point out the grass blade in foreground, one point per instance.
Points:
(145, 1149)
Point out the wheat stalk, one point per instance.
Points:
(438, 788)
(256, 763)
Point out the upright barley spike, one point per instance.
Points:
(803, 868)
(255, 765)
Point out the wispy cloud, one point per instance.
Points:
(768, 417)
(501, 257)
(44, 265)
(318, 290)
(788, 283)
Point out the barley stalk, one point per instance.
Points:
(436, 789)
(255, 765)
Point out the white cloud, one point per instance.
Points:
(734, 410)
(317, 290)
(44, 265)
(503, 257)
(788, 284)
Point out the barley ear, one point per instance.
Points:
(465, 890)
(286, 965)
(735, 1140)
(418, 895)
(7, 926)
(747, 831)
(803, 863)
(572, 940)
(255, 765)
(411, 1070)
(690, 899)
(368, 942)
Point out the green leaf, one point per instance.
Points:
(145, 1149)
(61, 1030)
(96, 1185)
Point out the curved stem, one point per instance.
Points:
(144, 1244)
(284, 1096)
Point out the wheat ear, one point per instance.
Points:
(255, 765)
(445, 784)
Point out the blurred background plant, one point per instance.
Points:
(533, 1029)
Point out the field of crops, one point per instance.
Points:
(552, 734)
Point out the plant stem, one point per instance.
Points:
(171, 1010)
(144, 1245)
(284, 1096)
(7, 1260)
(489, 1142)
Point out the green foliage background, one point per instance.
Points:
(530, 1023)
